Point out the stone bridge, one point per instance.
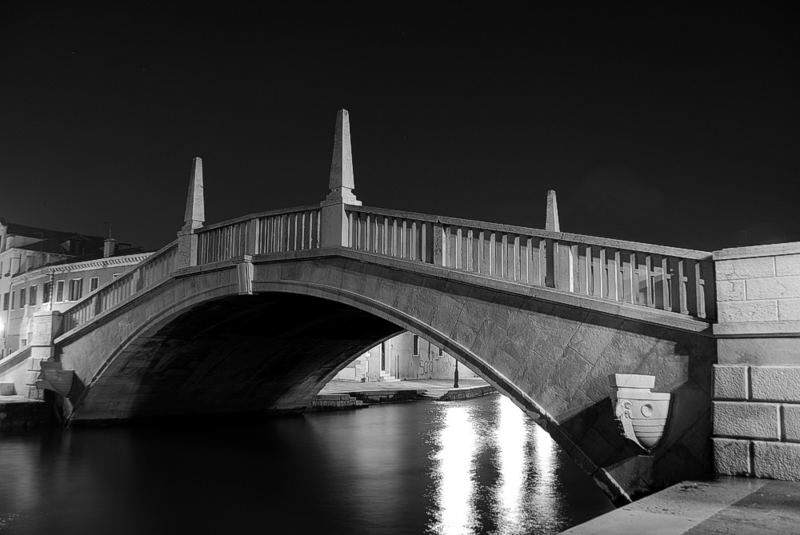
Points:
(259, 312)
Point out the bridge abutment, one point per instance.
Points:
(757, 377)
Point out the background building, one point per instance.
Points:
(405, 356)
(49, 269)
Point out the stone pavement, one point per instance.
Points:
(434, 388)
(727, 505)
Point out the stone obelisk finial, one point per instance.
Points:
(193, 218)
(195, 214)
(552, 212)
(341, 181)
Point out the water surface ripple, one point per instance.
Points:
(475, 466)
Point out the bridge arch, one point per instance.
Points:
(551, 359)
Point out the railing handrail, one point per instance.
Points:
(257, 215)
(12, 359)
(151, 258)
(624, 245)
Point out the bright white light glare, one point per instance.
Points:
(2, 326)
(511, 440)
(546, 464)
(457, 444)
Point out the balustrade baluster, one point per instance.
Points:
(492, 254)
(708, 291)
(317, 229)
(385, 249)
(414, 241)
(599, 267)
(481, 252)
(614, 277)
(648, 266)
(424, 248)
(666, 302)
(458, 247)
(470, 250)
(403, 239)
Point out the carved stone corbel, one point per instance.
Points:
(641, 413)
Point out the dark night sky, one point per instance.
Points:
(677, 127)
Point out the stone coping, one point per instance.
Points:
(758, 329)
(754, 251)
(612, 243)
(258, 215)
(725, 505)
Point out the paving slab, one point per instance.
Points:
(725, 505)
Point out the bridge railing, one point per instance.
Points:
(665, 278)
(155, 269)
(280, 231)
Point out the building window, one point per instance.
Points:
(117, 275)
(5, 301)
(22, 298)
(94, 282)
(59, 291)
(13, 295)
(32, 295)
(416, 346)
(47, 289)
(75, 289)
(441, 351)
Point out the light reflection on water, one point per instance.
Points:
(454, 471)
(522, 498)
(475, 466)
(512, 438)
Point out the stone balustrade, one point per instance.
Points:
(277, 231)
(157, 268)
(639, 274)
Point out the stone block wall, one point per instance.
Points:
(757, 378)
(757, 421)
(758, 288)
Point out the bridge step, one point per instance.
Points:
(335, 401)
(386, 377)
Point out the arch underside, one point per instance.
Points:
(234, 354)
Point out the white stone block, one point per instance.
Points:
(731, 290)
(746, 420)
(777, 460)
(787, 264)
(745, 268)
(775, 383)
(789, 309)
(791, 423)
(730, 382)
(773, 288)
(734, 311)
(732, 457)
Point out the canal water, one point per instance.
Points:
(474, 466)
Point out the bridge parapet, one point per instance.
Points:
(157, 268)
(665, 278)
(277, 231)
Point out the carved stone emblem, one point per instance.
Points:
(641, 413)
